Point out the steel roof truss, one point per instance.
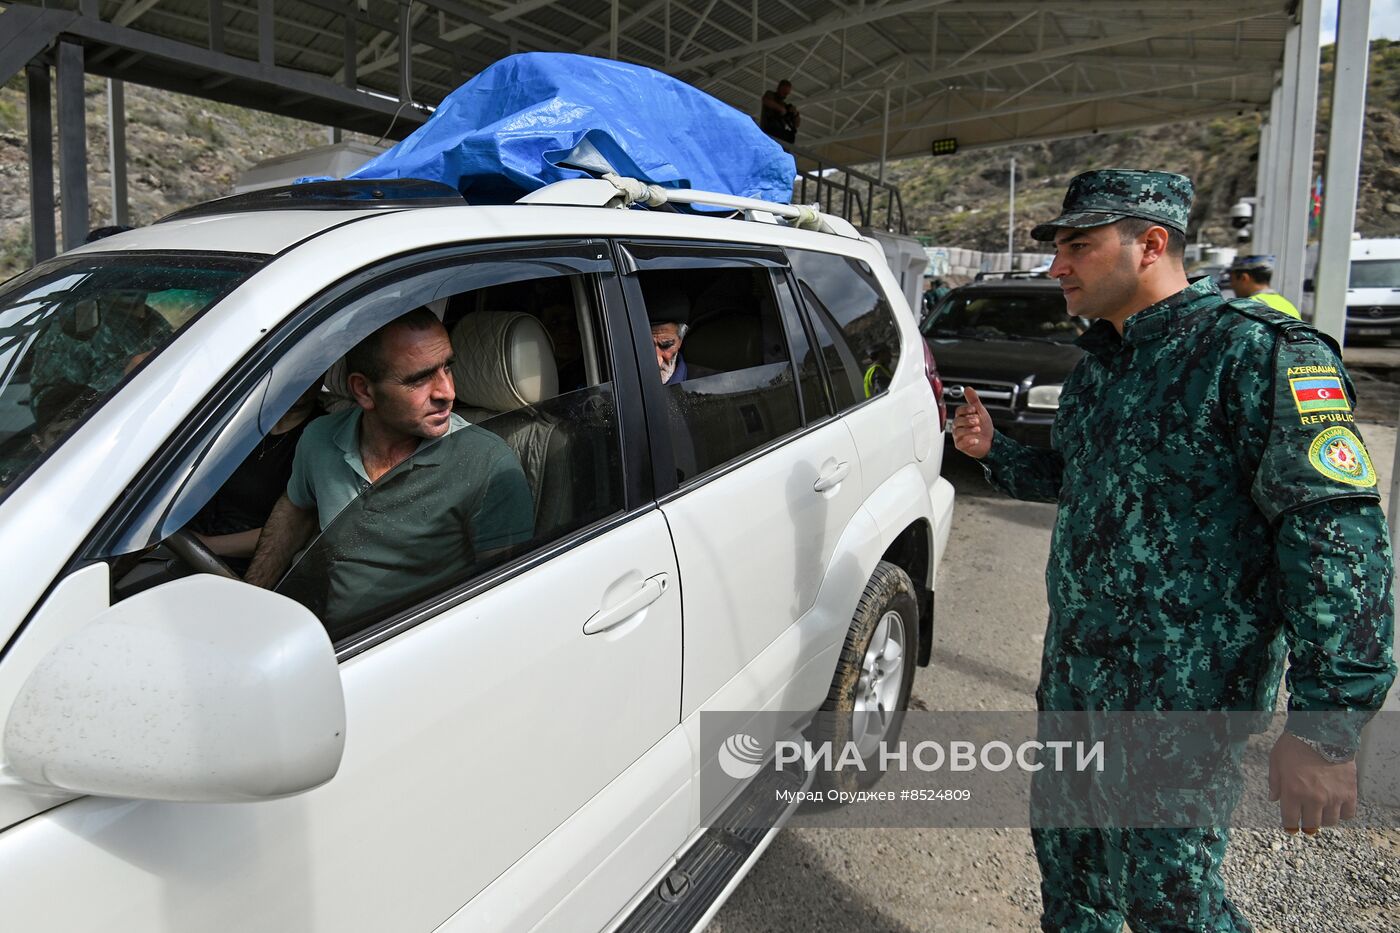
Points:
(977, 113)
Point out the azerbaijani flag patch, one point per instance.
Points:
(1319, 393)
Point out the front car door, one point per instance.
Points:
(497, 715)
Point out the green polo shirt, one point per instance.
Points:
(327, 472)
(458, 505)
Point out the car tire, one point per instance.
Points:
(874, 676)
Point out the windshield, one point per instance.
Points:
(1375, 273)
(71, 331)
(1038, 315)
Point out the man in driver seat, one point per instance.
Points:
(391, 522)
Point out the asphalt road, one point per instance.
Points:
(988, 633)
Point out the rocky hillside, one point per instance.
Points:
(960, 200)
(180, 150)
(183, 150)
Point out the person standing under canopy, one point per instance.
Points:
(1217, 515)
(1250, 277)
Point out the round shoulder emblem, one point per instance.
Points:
(1339, 454)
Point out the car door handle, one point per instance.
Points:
(832, 477)
(649, 592)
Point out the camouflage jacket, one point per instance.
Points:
(1216, 510)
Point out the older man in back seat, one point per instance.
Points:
(668, 310)
(397, 523)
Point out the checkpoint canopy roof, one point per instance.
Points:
(869, 76)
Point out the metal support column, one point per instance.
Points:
(612, 31)
(1287, 112)
(885, 136)
(1011, 222)
(116, 150)
(38, 104)
(1258, 224)
(266, 41)
(1295, 236)
(1343, 165)
(216, 26)
(72, 145)
(1278, 128)
(349, 47)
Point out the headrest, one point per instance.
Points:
(504, 360)
(335, 394)
(725, 342)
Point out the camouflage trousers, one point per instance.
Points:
(1096, 880)
(1142, 841)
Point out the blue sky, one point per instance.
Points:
(1385, 20)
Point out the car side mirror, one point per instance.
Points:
(202, 689)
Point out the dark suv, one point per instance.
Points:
(1010, 338)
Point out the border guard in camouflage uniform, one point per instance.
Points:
(1217, 511)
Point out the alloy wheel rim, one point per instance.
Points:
(878, 687)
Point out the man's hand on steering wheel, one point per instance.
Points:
(196, 555)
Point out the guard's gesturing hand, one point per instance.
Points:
(1311, 791)
(972, 427)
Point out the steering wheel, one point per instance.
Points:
(196, 555)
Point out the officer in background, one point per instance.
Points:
(1250, 277)
(777, 117)
(1217, 511)
(877, 374)
(934, 290)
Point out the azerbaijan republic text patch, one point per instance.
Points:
(1319, 393)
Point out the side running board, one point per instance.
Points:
(702, 880)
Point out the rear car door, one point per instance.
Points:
(755, 478)
(859, 339)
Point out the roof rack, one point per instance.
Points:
(331, 196)
(615, 191)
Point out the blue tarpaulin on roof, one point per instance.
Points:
(507, 131)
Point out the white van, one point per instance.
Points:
(1373, 291)
(413, 731)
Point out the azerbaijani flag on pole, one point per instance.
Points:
(1319, 393)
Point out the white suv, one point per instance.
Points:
(409, 732)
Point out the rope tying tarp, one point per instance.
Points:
(634, 191)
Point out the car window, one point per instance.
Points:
(1375, 273)
(851, 321)
(1038, 315)
(71, 331)
(722, 356)
(487, 492)
(529, 457)
(533, 455)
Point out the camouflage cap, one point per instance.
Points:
(1103, 197)
(1261, 262)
